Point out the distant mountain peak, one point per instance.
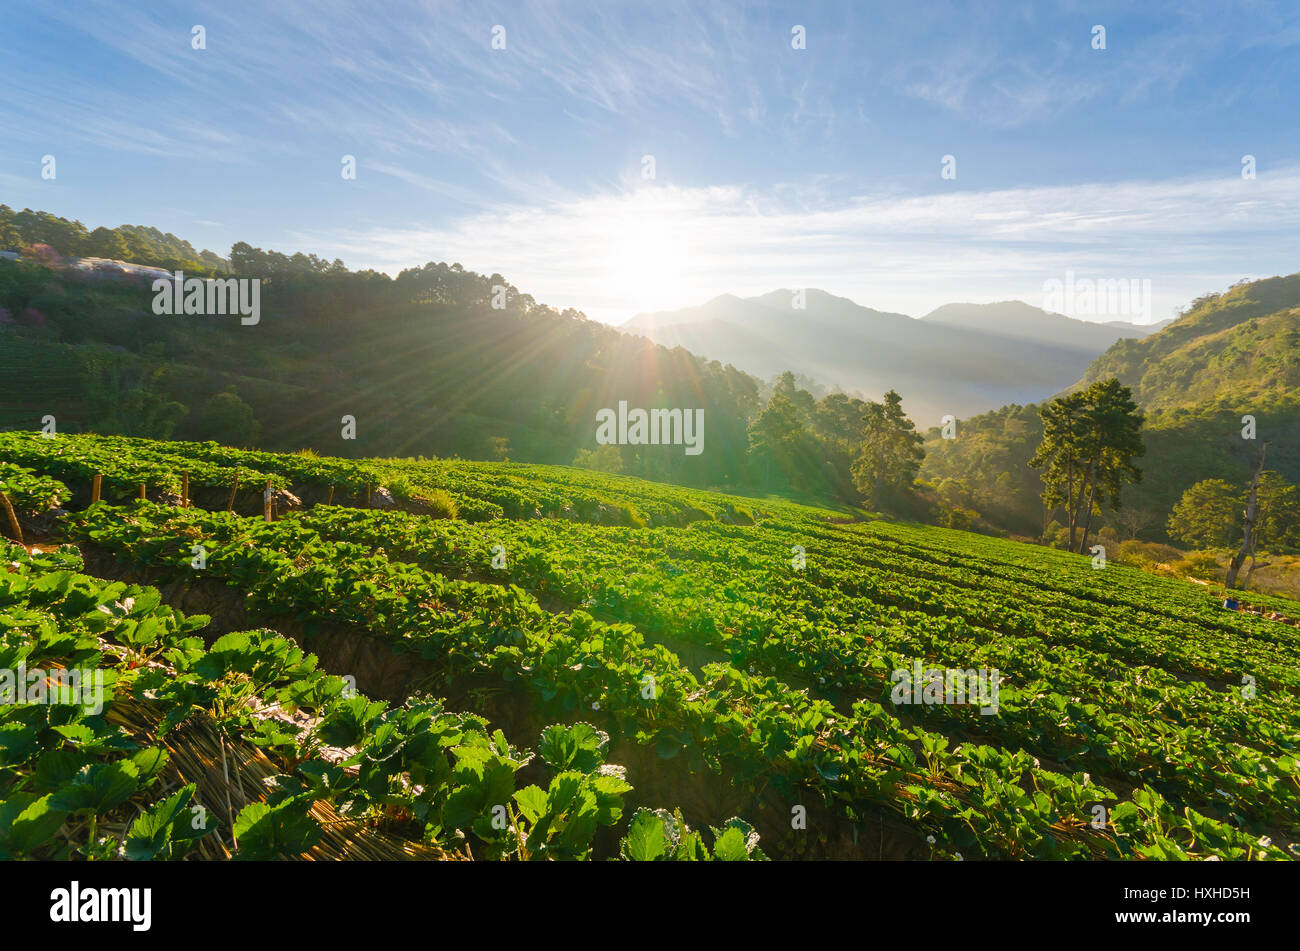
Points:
(961, 358)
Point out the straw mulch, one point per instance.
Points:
(230, 775)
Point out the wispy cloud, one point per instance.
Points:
(776, 166)
(617, 253)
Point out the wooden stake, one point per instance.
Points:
(185, 490)
(13, 519)
(142, 491)
(233, 489)
(266, 501)
(367, 495)
(330, 500)
(94, 487)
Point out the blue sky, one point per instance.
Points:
(774, 167)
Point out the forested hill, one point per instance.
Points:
(124, 243)
(1230, 355)
(1239, 349)
(423, 361)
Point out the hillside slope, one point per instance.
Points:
(1239, 348)
(423, 363)
(726, 677)
(1230, 355)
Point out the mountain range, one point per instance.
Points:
(962, 359)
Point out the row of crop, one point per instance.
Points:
(1038, 574)
(1059, 572)
(751, 727)
(127, 462)
(1132, 633)
(124, 465)
(29, 492)
(89, 777)
(1075, 705)
(725, 587)
(525, 491)
(1182, 645)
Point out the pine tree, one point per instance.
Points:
(891, 453)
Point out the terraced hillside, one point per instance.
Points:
(736, 657)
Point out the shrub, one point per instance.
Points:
(440, 504)
(1143, 554)
(1201, 564)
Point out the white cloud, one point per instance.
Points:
(660, 247)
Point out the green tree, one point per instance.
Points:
(108, 243)
(1090, 439)
(1059, 453)
(1207, 515)
(1279, 512)
(776, 439)
(227, 419)
(601, 459)
(890, 454)
(145, 412)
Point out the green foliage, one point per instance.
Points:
(266, 832)
(1090, 439)
(1126, 680)
(432, 327)
(1208, 515)
(227, 419)
(660, 836)
(452, 780)
(168, 830)
(601, 459)
(1239, 349)
(890, 453)
(30, 493)
(1278, 513)
(132, 243)
(990, 460)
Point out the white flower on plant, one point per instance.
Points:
(957, 856)
(595, 706)
(930, 839)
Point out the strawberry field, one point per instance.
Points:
(529, 627)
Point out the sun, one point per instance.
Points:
(647, 262)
